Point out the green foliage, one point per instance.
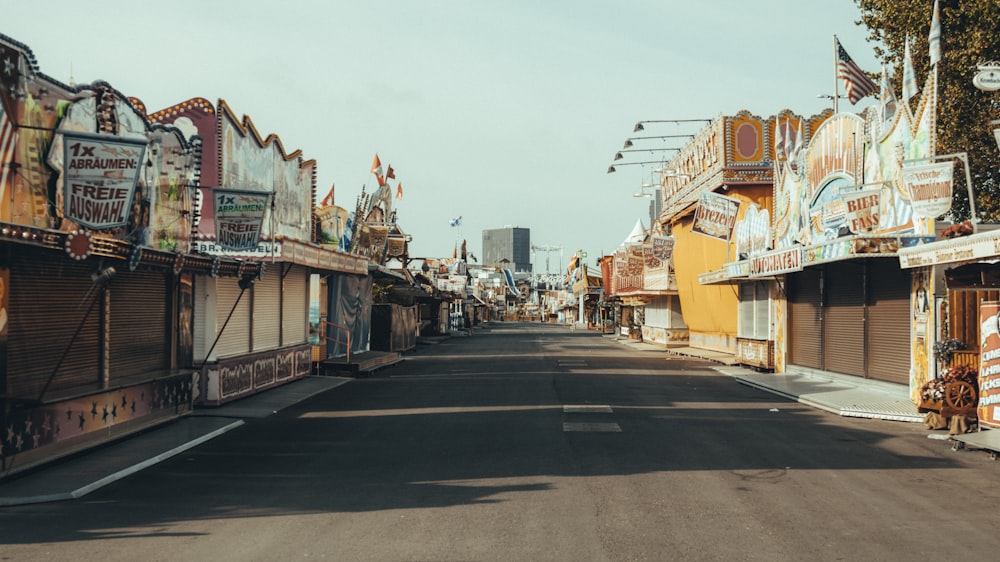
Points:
(970, 35)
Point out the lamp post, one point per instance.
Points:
(639, 125)
(629, 144)
(612, 169)
(618, 155)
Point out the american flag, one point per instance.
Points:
(856, 82)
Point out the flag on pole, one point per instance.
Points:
(389, 173)
(934, 38)
(888, 97)
(377, 170)
(856, 82)
(800, 141)
(779, 140)
(399, 190)
(909, 76)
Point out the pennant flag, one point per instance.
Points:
(788, 138)
(390, 174)
(328, 200)
(454, 252)
(800, 140)
(856, 82)
(888, 97)
(934, 38)
(909, 76)
(779, 140)
(399, 190)
(377, 170)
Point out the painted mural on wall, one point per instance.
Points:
(29, 429)
(37, 109)
(850, 153)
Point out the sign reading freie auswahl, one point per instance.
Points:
(99, 177)
(239, 217)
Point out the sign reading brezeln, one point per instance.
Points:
(100, 173)
(239, 217)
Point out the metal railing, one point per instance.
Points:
(344, 329)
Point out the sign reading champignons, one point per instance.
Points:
(929, 187)
(239, 216)
(99, 177)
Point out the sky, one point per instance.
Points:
(506, 113)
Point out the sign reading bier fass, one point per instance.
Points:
(99, 177)
(239, 216)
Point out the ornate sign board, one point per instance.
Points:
(989, 364)
(776, 263)
(715, 216)
(100, 173)
(930, 188)
(987, 77)
(862, 208)
(239, 217)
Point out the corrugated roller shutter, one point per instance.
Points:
(805, 319)
(746, 311)
(48, 302)
(295, 307)
(844, 318)
(889, 322)
(140, 324)
(762, 312)
(235, 339)
(267, 310)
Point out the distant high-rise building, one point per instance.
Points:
(509, 243)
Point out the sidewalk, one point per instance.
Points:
(840, 394)
(79, 475)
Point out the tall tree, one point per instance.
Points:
(970, 36)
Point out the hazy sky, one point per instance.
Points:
(502, 112)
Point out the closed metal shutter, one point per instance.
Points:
(746, 310)
(295, 307)
(805, 319)
(235, 339)
(49, 298)
(140, 323)
(267, 310)
(844, 318)
(889, 322)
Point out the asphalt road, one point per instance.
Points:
(533, 442)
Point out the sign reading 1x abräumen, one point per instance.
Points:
(99, 177)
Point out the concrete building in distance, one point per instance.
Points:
(509, 243)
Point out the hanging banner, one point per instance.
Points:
(636, 259)
(99, 177)
(652, 262)
(715, 216)
(239, 217)
(929, 187)
(862, 209)
(663, 247)
(989, 364)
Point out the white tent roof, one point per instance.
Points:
(637, 234)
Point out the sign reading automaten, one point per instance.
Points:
(776, 263)
(239, 216)
(99, 177)
(929, 187)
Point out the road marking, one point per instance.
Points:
(592, 427)
(587, 409)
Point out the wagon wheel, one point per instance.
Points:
(959, 395)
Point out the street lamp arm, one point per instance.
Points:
(639, 127)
